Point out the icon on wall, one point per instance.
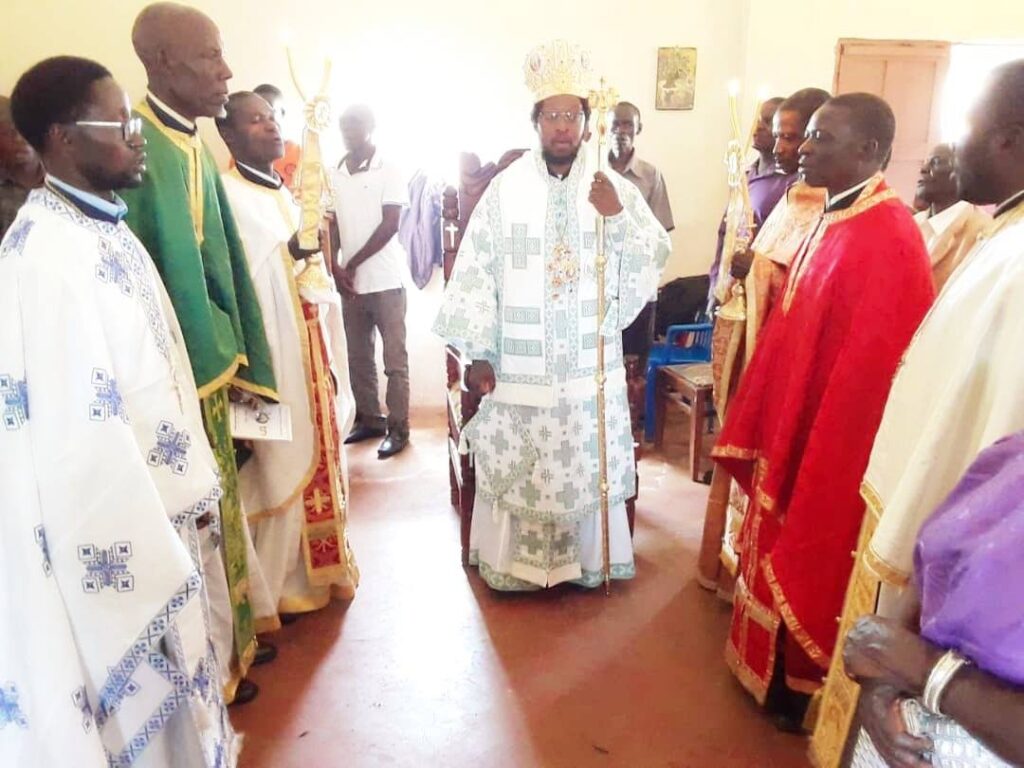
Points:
(677, 78)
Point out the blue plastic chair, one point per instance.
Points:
(683, 344)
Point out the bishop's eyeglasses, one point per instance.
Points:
(553, 116)
(130, 128)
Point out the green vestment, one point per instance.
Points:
(181, 214)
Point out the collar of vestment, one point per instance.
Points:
(873, 192)
(258, 177)
(847, 197)
(169, 117)
(372, 163)
(1010, 203)
(93, 206)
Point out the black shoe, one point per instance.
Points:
(265, 653)
(392, 444)
(246, 691)
(289, 618)
(358, 434)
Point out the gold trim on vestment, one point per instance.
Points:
(755, 686)
(305, 604)
(221, 380)
(811, 648)
(266, 624)
(800, 685)
(256, 389)
(328, 575)
(301, 329)
(243, 662)
(733, 452)
(192, 146)
(836, 705)
(867, 199)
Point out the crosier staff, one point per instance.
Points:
(601, 101)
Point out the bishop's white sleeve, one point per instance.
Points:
(637, 247)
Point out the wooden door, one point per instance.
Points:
(909, 75)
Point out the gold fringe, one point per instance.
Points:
(811, 648)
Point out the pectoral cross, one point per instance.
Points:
(451, 230)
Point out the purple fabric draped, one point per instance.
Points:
(419, 231)
(969, 564)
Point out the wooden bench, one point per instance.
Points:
(686, 387)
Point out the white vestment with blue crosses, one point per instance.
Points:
(105, 657)
(512, 302)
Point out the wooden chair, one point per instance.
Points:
(456, 208)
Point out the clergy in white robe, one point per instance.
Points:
(295, 493)
(522, 303)
(106, 476)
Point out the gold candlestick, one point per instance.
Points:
(312, 187)
(601, 101)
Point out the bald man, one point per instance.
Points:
(798, 431)
(182, 216)
(935, 425)
(950, 226)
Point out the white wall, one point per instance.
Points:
(407, 59)
(793, 45)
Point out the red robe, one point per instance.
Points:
(799, 430)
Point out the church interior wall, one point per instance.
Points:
(444, 79)
(794, 46)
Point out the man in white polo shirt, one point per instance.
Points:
(370, 270)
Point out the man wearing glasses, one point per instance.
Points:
(107, 483)
(182, 216)
(950, 226)
(522, 305)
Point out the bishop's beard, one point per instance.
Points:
(567, 157)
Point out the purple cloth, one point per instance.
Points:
(765, 192)
(419, 230)
(969, 564)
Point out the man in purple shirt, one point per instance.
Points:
(767, 183)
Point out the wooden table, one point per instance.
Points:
(688, 388)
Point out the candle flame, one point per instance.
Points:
(734, 88)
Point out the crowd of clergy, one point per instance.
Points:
(158, 316)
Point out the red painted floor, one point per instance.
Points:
(428, 667)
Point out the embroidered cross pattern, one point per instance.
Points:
(106, 568)
(108, 403)
(110, 270)
(563, 544)
(171, 448)
(40, 537)
(10, 707)
(532, 542)
(14, 397)
(80, 699)
(16, 237)
(520, 246)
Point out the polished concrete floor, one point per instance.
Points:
(428, 667)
